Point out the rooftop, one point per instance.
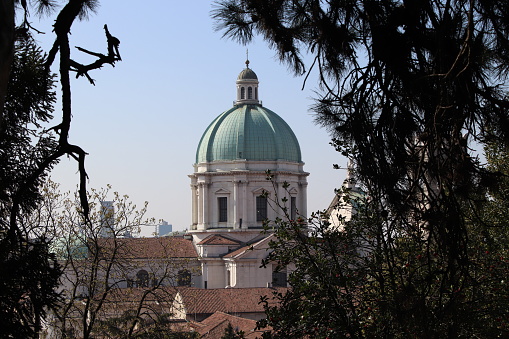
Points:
(153, 248)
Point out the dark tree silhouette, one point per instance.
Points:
(29, 273)
(405, 88)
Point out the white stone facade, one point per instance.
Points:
(240, 182)
(231, 196)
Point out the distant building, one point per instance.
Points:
(231, 196)
(345, 203)
(107, 219)
(164, 229)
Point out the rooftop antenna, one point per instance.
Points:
(247, 58)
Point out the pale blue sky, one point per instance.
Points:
(143, 120)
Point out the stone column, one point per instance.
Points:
(199, 201)
(235, 204)
(206, 212)
(194, 202)
(302, 203)
(281, 193)
(243, 204)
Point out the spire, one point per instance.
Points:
(247, 58)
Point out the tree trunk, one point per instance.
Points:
(6, 51)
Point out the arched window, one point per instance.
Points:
(256, 93)
(242, 93)
(250, 92)
(142, 278)
(184, 278)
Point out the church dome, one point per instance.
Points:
(248, 132)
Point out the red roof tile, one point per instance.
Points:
(217, 239)
(152, 248)
(238, 251)
(199, 300)
(249, 247)
(228, 300)
(215, 325)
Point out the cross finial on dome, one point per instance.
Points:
(247, 58)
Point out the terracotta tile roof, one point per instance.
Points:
(228, 300)
(217, 239)
(238, 251)
(248, 247)
(214, 326)
(199, 300)
(152, 248)
(134, 294)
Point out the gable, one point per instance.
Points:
(257, 250)
(218, 239)
(259, 191)
(293, 191)
(222, 191)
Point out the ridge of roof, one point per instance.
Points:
(218, 322)
(247, 247)
(218, 239)
(153, 248)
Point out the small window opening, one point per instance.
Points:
(261, 208)
(142, 278)
(250, 92)
(293, 208)
(184, 278)
(222, 203)
(279, 279)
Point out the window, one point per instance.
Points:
(250, 92)
(293, 208)
(242, 93)
(261, 208)
(222, 204)
(142, 278)
(256, 93)
(184, 278)
(279, 279)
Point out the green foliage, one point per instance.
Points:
(359, 278)
(24, 145)
(160, 328)
(28, 271)
(28, 152)
(231, 333)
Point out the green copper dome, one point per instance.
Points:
(249, 132)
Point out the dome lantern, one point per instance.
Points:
(247, 87)
(248, 131)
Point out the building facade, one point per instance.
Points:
(231, 196)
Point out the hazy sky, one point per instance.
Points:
(142, 121)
